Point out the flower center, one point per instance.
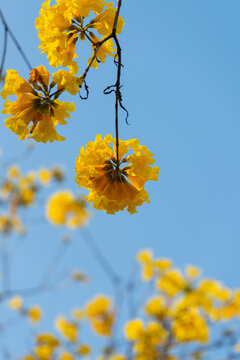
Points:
(114, 172)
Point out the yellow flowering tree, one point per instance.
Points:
(168, 314)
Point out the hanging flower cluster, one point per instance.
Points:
(114, 187)
(62, 25)
(37, 110)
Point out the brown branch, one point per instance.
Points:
(100, 258)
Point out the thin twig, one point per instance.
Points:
(15, 41)
(100, 258)
(61, 250)
(4, 49)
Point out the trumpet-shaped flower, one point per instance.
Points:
(113, 187)
(64, 209)
(36, 112)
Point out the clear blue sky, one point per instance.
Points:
(181, 87)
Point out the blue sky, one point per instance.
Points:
(181, 88)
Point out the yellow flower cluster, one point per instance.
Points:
(177, 320)
(65, 209)
(19, 190)
(115, 186)
(37, 110)
(61, 25)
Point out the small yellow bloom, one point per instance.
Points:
(171, 283)
(134, 329)
(155, 307)
(45, 176)
(78, 314)
(192, 271)
(44, 352)
(83, 350)
(67, 328)
(13, 171)
(79, 276)
(66, 356)
(100, 315)
(113, 188)
(47, 338)
(34, 314)
(15, 302)
(65, 209)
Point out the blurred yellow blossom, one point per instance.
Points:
(67, 328)
(190, 326)
(35, 314)
(15, 302)
(63, 208)
(101, 315)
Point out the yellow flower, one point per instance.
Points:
(79, 276)
(66, 80)
(13, 171)
(66, 356)
(83, 350)
(35, 104)
(34, 314)
(15, 302)
(67, 328)
(60, 26)
(146, 338)
(155, 307)
(44, 352)
(190, 326)
(111, 188)
(45, 176)
(106, 49)
(49, 339)
(134, 329)
(78, 314)
(103, 22)
(100, 315)
(64, 209)
(192, 271)
(171, 283)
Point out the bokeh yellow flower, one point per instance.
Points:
(35, 314)
(67, 328)
(65, 209)
(101, 315)
(15, 302)
(112, 187)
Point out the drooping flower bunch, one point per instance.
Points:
(62, 25)
(113, 186)
(175, 322)
(37, 110)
